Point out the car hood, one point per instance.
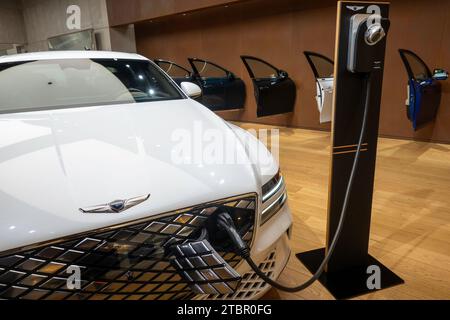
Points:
(52, 163)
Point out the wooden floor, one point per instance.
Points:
(410, 230)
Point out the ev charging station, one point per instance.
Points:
(362, 29)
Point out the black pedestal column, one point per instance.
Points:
(352, 271)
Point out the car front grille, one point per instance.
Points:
(251, 284)
(128, 262)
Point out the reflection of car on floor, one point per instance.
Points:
(424, 90)
(82, 129)
(323, 69)
(275, 92)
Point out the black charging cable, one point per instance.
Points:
(225, 222)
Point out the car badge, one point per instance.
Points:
(116, 206)
(355, 8)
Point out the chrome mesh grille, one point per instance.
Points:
(251, 283)
(126, 263)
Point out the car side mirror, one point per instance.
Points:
(440, 74)
(191, 89)
(231, 76)
(283, 74)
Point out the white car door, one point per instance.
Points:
(324, 98)
(323, 69)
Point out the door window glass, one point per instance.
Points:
(418, 68)
(173, 70)
(208, 70)
(261, 70)
(324, 68)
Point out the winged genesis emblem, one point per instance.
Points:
(116, 206)
(355, 8)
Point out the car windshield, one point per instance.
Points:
(55, 84)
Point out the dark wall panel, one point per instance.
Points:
(123, 12)
(279, 31)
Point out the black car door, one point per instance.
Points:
(178, 73)
(222, 90)
(323, 68)
(424, 93)
(275, 92)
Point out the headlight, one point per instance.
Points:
(273, 197)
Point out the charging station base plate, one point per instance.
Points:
(351, 282)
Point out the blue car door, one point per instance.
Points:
(424, 92)
(222, 90)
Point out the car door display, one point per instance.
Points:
(178, 73)
(275, 92)
(323, 69)
(424, 90)
(222, 90)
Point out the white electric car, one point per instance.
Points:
(106, 165)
